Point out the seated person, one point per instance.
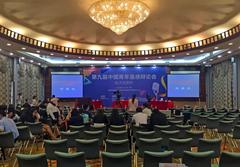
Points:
(74, 118)
(140, 117)
(7, 124)
(146, 109)
(157, 118)
(12, 113)
(33, 116)
(100, 117)
(116, 118)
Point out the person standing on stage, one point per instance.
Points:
(132, 104)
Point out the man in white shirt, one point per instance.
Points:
(140, 117)
(147, 110)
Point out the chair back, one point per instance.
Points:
(70, 136)
(80, 130)
(35, 128)
(229, 159)
(182, 129)
(116, 159)
(138, 128)
(94, 135)
(55, 145)
(145, 135)
(70, 159)
(90, 147)
(159, 128)
(152, 159)
(6, 140)
(236, 132)
(98, 128)
(210, 145)
(179, 146)
(153, 145)
(195, 135)
(117, 127)
(212, 122)
(168, 134)
(24, 133)
(225, 126)
(197, 159)
(117, 135)
(37, 160)
(117, 146)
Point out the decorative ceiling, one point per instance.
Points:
(68, 20)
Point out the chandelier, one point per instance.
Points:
(119, 15)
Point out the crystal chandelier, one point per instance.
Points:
(119, 15)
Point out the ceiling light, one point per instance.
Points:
(65, 55)
(51, 54)
(216, 47)
(211, 59)
(119, 59)
(0, 50)
(230, 44)
(204, 62)
(8, 44)
(11, 54)
(119, 15)
(159, 57)
(39, 63)
(219, 56)
(133, 58)
(38, 51)
(107, 59)
(22, 58)
(229, 52)
(188, 54)
(31, 61)
(146, 58)
(173, 55)
(23, 48)
(201, 51)
(79, 57)
(92, 65)
(93, 58)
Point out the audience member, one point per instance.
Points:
(7, 124)
(53, 110)
(116, 118)
(146, 109)
(34, 101)
(12, 113)
(26, 104)
(74, 118)
(100, 117)
(140, 117)
(157, 118)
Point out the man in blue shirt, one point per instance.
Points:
(7, 124)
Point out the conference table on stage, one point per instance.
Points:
(159, 104)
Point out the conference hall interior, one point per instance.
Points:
(119, 83)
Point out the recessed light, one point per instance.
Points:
(0, 50)
(79, 57)
(188, 54)
(173, 55)
(23, 48)
(39, 63)
(219, 56)
(230, 44)
(159, 57)
(204, 62)
(11, 54)
(229, 52)
(211, 59)
(38, 51)
(22, 58)
(119, 59)
(216, 47)
(66, 56)
(146, 58)
(8, 44)
(92, 65)
(201, 51)
(107, 59)
(133, 58)
(51, 54)
(93, 58)
(31, 61)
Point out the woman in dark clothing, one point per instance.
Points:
(157, 118)
(100, 117)
(75, 119)
(116, 118)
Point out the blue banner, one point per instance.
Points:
(101, 83)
